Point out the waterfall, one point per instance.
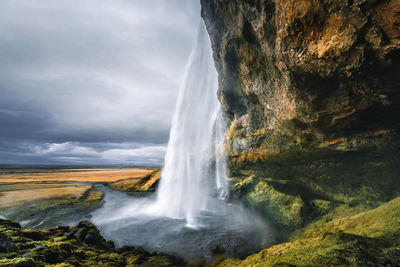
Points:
(188, 215)
(188, 180)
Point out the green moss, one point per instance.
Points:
(328, 204)
(33, 234)
(81, 245)
(297, 187)
(369, 238)
(282, 208)
(65, 265)
(338, 176)
(18, 262)
(144, 184)
(383, 221)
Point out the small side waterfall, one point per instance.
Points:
(187, 180)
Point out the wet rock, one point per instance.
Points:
(81, 245)
(33, 234)
(89, 234)
(55, 254)
(6, 244)
(40, 247)
(9, 224)
(218, 250)
(21, 262)
(196, 263)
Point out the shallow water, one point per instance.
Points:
(228, 228)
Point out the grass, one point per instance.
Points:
(40, 198)
(26, 186)
(383, 221)
(144, 184)
(58, 210)
(18, 197)
(370, 238)
(71, 175)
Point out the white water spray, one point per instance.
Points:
(188, 181)
(188, 216)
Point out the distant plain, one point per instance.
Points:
(34, 195)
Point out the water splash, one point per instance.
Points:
(188, 181)
(189, 214)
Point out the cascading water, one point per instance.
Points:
(187, 182)
(188, 215)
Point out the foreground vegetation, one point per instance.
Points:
(81, 245)
(370, 238)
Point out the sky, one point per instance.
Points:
(91, 82)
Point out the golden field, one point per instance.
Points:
(48, 197)
(71, 175)
(19, 186)
(145, 184)
(17, 197)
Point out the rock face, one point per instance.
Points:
(307, 73)
(312, 88)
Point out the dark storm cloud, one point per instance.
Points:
(79, 153)
(79, 78)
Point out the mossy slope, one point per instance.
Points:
(145, 184)
(293, 189)
(370, 238)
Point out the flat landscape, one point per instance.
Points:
(47, 197)
(8, 176)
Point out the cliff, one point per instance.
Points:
(312, 90)
(308, 74)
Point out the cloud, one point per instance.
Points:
(79, 153)
(103, 153)
(101, 72)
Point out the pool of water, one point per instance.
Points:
(129, 220)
